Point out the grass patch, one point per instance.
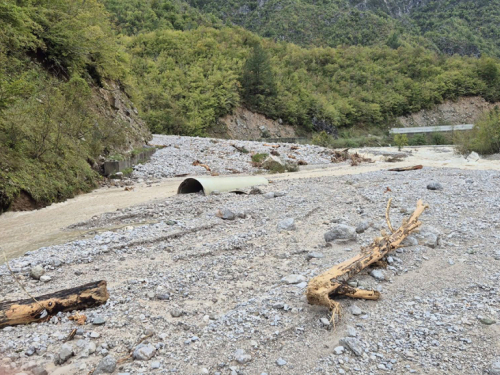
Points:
(127, 171)
(116, 157)
(288, 167)
(140, 150)
(259, 158)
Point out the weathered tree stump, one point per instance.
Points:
(322, 289)
(28, 310)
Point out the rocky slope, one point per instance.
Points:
(113, 102)
(462, 111)
(247, 125)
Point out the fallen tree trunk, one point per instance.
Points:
(322, 289)
(40, 308)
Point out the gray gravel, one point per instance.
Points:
(179, 153)
(222, 289)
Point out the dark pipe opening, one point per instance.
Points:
(189, 185)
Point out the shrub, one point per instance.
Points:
(484, 138)
(418, 140)
(400, 140)
(259, 158)
(288, 167)
(439, 139)
(322, 139)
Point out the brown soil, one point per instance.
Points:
(24, 202)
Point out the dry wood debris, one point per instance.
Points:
(345, 155)
(322, 289)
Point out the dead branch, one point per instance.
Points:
(413, 168)
(387, 218)
(197, 162)
(345, 155)
(324, 288)
(241, 149)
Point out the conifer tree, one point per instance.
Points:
(258, 82)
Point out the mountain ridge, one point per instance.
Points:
(450, 26)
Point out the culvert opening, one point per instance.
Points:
(190, 185)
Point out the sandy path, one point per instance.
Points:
(25, 231)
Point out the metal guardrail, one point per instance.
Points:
(431, 129)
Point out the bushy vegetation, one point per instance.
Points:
(51, 53)
(418, 140)
(135, 16)
(259, 157)
(322, 139)
(460, 26)
(401, 140)
(187, 80)
(484, 138)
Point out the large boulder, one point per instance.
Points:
(272, 162)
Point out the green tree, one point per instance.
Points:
(258, 82)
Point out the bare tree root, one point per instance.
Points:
(322, 289)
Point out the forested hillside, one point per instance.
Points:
(187, 78)
(60, 74)
(449, 26)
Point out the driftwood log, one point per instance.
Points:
(322, 289)
(404, 169)
(40, 308)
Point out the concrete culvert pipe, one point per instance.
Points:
(209, 184)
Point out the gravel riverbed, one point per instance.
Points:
(216, 296)
(220, 155)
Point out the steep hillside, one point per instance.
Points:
(451, 26)
(62, 99)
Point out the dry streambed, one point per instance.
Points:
(227, 296)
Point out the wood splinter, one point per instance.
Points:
(42, 308)
(322, 289)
